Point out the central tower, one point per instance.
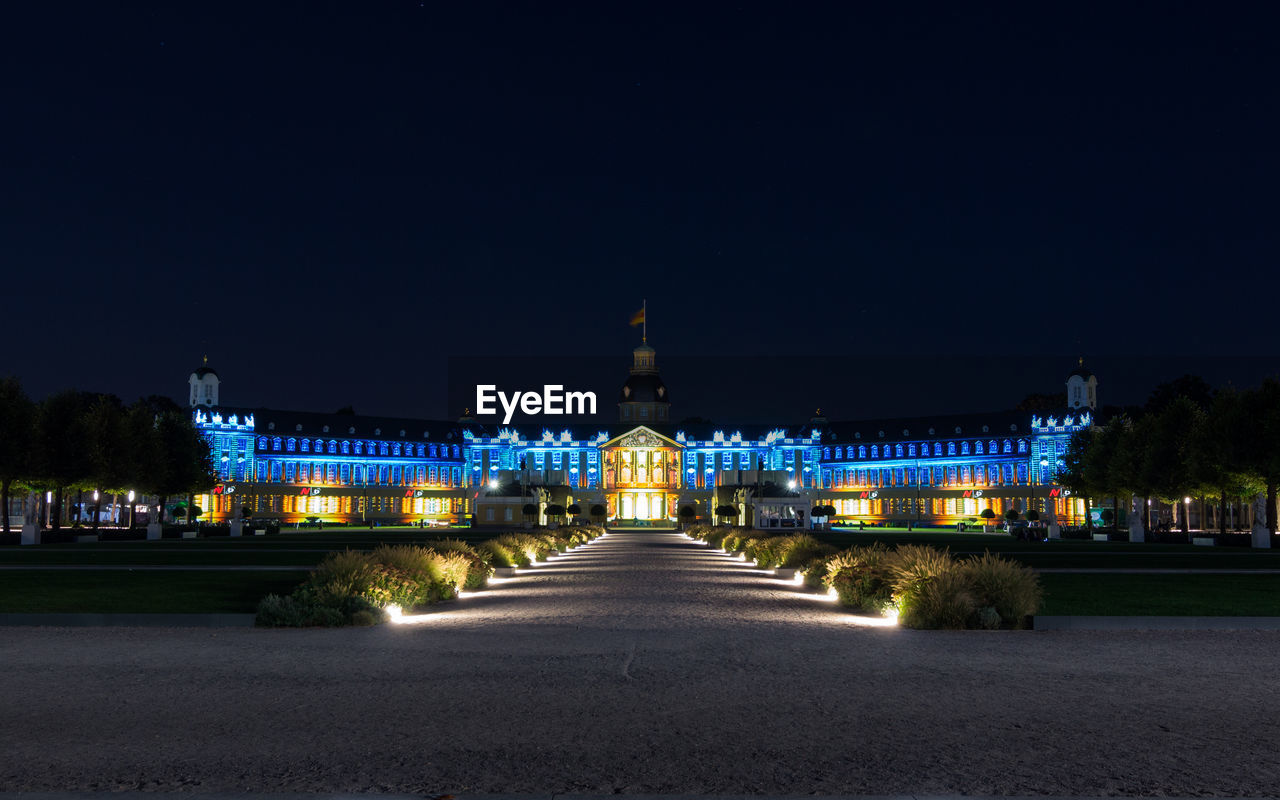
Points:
(644, 399)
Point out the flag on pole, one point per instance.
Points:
(637, 318)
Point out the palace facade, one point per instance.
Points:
(297, 466)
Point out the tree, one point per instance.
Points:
(183, 460)
(60, 436)
(555, 511)
(529, 510)
(987, 515)
(17, 418)
(1168, 456)
(726, 511)
(1261, 456)
(1011, 514)
(1032, 515)
(687, 513)
(598, 511)
(106, 447)
(1221, 447)
(574, 509)
(1189, 387)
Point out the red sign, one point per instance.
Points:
(217, 489)
(1054, 492)
(967, 493)
(309, 491)
(863, 495)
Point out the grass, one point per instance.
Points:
(1161, 595)
(118, 591)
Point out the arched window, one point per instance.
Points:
(434, 452)
(937, 448)
(951, 476)
(862, 451)
(951, 448)
(346, 448)
(897, 450)
(357, 473)
(345, 474)
(875, 451)
(1022, 445)
(262, 443)
(275, 444)
(292, 445)
(422, 451)
(395, 450)
(455, 451)
(333, 447)
(306, 445)
(964, 448)
(382, 448)
(826, 452)
(991, 446)
(1008, 447)
(977, 448)
(359, 448)
(911, 451)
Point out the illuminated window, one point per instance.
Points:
(1008, 447)
(357, 474)
(262, 472)
(911, 450)
(345, 474)
(346, 448)
(432, 477)
(951, 448)
(332, 473)
(333, 446)
(422, 451)
(826, 452)
(964, 448)
(289, 473)
(991, 446)
(395, 476)
(395, 449)
(1022, 445)
(1022, 473)
(862, 451)
(433, 451)
(421, 475)
(359, 448)
(977, 448)
(744, 461)
(262, 443)
(382, 448)
(897, 450)
(557, 460)
(292, 445)
(319, 446)
(275, 444)
(951, 476)
(306, 445)
(875, 451)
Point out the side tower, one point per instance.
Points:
(644, 396)
(1082, 389)
(204, 386)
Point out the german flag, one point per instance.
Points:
(637, 318)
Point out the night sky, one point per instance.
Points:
(332, 199)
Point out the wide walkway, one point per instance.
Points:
(641, 663)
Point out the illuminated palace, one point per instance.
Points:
(295, 466)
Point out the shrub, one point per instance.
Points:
(523, 548)
(275, 611)
(1011, 589)
(479, 567)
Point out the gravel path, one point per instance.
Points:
(642, 663)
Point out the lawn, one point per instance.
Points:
(121, 591)
(1161, 595)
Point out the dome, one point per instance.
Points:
(644, 388)
(205, 370)
(1080, 372)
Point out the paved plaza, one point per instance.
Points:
(642, 663)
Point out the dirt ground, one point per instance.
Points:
(642, 663)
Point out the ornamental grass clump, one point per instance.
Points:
(767, 552)
(802, 550)
(523, 548)
(928, 589)
(479, 567)
(1010, 589)
(496, 554)
(863, 578)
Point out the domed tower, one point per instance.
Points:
(644, 397)
(204, 386)
(1082, 388)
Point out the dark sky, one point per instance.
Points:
(332, 198)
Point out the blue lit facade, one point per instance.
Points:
(294, 466)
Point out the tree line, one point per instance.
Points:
(77, 442)
(1187, 441)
